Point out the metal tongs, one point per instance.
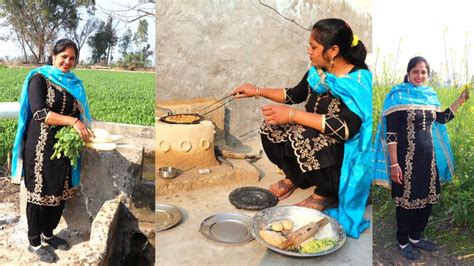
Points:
(219, 106)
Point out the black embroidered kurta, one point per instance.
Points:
(308, 148)
(48, 182)
(411, 131)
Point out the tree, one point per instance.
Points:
(125, 42)
(103, 42)
(138, 57)
(141, 36)
(37, 23)
(80, 35)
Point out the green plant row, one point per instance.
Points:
(121, 97)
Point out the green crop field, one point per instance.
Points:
(122, 97)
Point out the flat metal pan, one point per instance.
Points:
(227, 228)
(252, 198)
(174, 118)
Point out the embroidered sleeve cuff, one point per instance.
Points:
(449, 114)
(392, 138)
(336, 128)
(41, 115)
(288, 99)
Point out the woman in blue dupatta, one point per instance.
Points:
(412, 151)
(52, 97)
(328, 144)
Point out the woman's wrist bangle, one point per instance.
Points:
(394, 165)
(75, 120)
(291, 116)
(257, 92)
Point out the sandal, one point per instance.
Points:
(317, 202)
(282, 189)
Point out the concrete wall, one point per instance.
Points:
(206, 48)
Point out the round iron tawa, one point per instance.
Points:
(227, 228)
(252, 198)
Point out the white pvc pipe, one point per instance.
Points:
(9, 110)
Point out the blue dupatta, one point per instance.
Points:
(71, 84)
(355, 90)
(405, 96)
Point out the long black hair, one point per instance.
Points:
(60, 46)
(412, 63)
(333, 31)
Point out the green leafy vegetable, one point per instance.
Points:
(69, 145)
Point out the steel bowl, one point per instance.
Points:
(167, 172)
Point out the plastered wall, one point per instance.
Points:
(206, 48)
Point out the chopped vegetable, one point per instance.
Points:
(317, 245)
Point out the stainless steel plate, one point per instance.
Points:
(227, 228)
(166, 216)
(300, 216)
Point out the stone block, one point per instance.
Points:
(104, 175)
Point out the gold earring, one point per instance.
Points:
(331, 63)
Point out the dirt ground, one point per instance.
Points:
(385, 250)
(9, 192)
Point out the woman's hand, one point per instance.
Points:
(246, 90)
(460, 100)
(276, 114)
(83, 131)
(463, 97)
(396, 174)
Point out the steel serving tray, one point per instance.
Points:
(166, 216)
(227, 228)
(300, 216)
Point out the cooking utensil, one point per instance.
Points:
(166, 216)
(252, 198)
(167, 172)
(300, 217)
(220, 100)
(166, 110)
(174, 119)
(227, 228)
(223, 160)
(198, 117)
(299, 236)
(212, 110)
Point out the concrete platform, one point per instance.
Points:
(241, 172)
(185, 245)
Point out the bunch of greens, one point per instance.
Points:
(69, 144)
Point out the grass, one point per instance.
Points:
(452, 220)
(122, 97)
